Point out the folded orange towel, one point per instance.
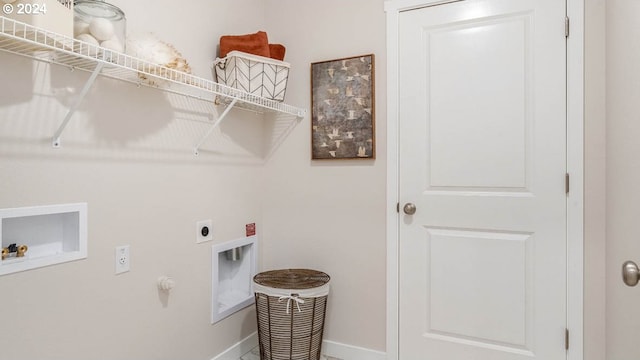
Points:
(256, 44)
(276, 51)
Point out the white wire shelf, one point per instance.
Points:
(39, 44)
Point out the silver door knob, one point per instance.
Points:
(409, 208)
(630, 273)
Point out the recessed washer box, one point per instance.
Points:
(233, 267)
(53, 234)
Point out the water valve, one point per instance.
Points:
(19, 250)
(166, 283)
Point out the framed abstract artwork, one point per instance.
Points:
(343, 108)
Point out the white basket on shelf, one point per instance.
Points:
(51, 15)
(257, 75)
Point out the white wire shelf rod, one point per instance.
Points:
(215, 125)
(76, 104)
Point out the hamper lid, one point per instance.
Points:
(286, 281)
(292, 278)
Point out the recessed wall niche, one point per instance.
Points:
(38, 236)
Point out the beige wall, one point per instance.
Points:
(595, 181)
(127, 152)
(611, 152)
(623, 174)
(330, 215)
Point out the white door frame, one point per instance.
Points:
(575, 153)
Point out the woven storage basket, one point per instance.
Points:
(290, 307)
(257, 75)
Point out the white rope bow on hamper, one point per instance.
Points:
(293, 297)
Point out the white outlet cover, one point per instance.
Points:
(199, 226)
(122, 259)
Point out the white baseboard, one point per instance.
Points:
(350, 352)
(329, 348)
(240, 348)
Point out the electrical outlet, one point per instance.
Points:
(122, 259)
(204, 231)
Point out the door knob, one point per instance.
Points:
(409, 208)
(630, 273)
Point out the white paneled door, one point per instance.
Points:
(482, 104)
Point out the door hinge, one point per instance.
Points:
(566, 339)
(398, 207)
(566, 183)
(566, 26)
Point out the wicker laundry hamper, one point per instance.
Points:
(290, 307)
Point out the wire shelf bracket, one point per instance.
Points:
(76, 104)
(215, 125)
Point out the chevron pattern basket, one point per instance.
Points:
(257, 75)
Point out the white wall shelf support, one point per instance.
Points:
(215, 125)
(76, 104)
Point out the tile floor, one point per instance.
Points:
(254, 354)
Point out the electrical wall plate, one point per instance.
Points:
(204, 231)
(122, 258)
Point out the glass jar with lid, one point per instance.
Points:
(99, 23)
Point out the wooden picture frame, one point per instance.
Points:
(343, 108)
